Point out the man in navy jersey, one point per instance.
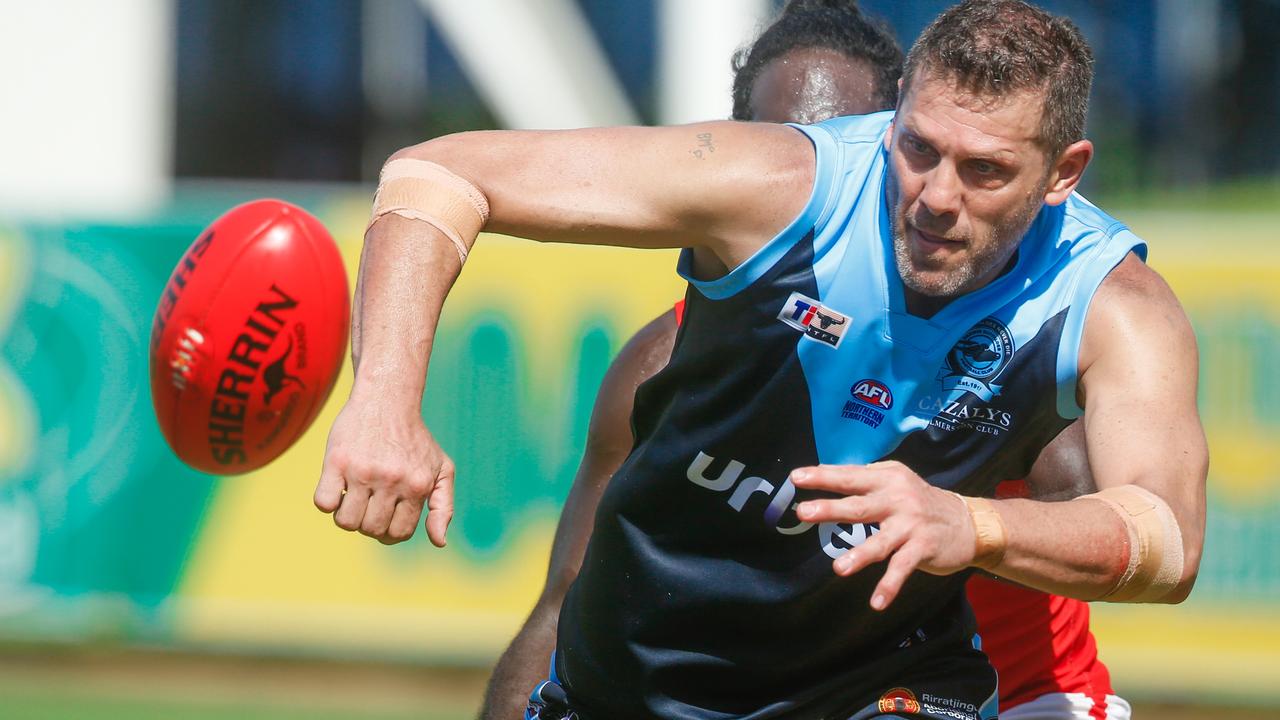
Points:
(821, 59)
(817, 60)
(889, 315)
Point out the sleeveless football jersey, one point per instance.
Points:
(1039, 643)
(701, 594)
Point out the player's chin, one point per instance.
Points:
(931, 277)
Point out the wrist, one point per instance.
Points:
(990, 537)
(392, 393)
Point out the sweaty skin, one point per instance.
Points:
(810, 85)
(644, 187)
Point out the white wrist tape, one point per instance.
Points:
(422, 190)
(1155, 544)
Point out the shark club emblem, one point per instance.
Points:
(975, 362)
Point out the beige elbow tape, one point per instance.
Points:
(1155, 544)
(989, 531)
(424, 191)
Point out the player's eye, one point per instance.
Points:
(987, 174)
(917, 146)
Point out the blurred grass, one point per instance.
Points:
(62, 683)
(105, 684)
(28, 704)
(50, 704)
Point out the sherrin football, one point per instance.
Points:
(248, 338)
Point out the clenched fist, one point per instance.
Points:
(380, 467)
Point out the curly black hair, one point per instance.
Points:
(837, 25)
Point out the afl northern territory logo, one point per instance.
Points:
(974, 363)
(871, 398)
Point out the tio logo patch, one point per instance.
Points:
(871, 398)
(814, 320)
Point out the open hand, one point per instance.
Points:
(921, 526)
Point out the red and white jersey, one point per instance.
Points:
(1041, 647)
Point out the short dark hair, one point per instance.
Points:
(995, 47)
(829, 24)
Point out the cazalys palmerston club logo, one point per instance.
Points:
(974, 363)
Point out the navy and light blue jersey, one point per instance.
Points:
(702, 595)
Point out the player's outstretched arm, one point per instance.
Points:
(723, 189)
(609, 440)
(1138, 539)
(725, 186)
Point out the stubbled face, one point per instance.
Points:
(967, 178)
(811, 85)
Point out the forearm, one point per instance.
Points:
(523, 665)
(406, 270)
(1077, 549)
(1122, 544)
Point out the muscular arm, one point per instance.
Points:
(723, 189)
(637, 187)
(1138, 372)
(1061, 472)
(1139, 369)
(609, 441)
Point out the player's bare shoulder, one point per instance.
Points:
(750, 181)
(1135, 312)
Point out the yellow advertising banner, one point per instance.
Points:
(104, 534)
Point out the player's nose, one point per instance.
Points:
(941, 191)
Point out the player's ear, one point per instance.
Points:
(888, 136)
(1067, 171)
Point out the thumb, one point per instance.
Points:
(440, 506)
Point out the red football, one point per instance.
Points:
(249, 337)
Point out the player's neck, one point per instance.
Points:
(925, 306)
